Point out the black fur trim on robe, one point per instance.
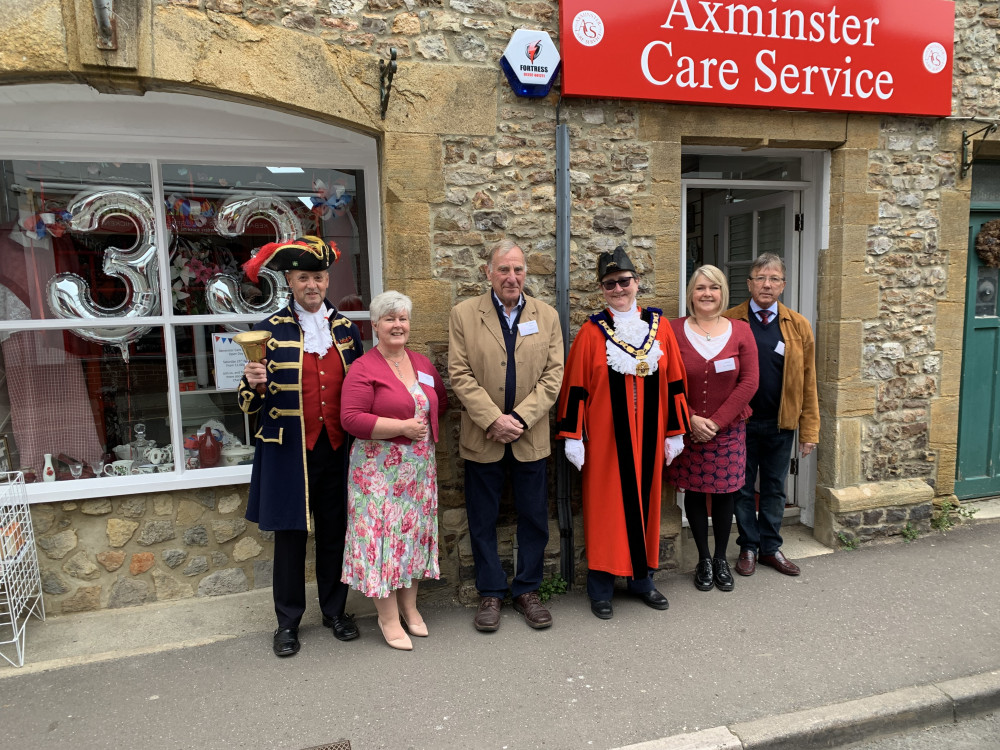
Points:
(574, 400)
(635, 507)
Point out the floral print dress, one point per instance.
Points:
(392, 512)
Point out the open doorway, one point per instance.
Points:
(737, 205)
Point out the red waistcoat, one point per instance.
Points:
(322, 379)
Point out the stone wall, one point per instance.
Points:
(908, 171)
(975, 89)
(120, 552)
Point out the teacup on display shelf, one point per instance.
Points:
(119, 468)
(164, 468)
(143, 469)
(234, 455)
(157, 456)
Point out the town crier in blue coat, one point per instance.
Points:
(300, 463)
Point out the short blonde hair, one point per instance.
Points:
(716, 276)
(389, 302)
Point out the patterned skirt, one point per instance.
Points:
(716, 467)
(391, 517)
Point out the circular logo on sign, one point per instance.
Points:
(588, 28)
(935, 57)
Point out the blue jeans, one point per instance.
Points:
(769, 451)
(483, 485)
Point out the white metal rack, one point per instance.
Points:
(20, 580)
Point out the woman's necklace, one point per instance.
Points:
(399, 373)
(708, 334)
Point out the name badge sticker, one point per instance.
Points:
(780, 348)
(725, 365)
(424, 379)
(526, 329)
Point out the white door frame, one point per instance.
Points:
(814, 203)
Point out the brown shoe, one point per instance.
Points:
(747, 564)
(487, 617)
(780, 563)
(534, 613)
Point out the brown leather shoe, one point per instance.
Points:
(747, 564)
(487, 617)
(780, 563)
(534, 613)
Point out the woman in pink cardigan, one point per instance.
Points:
(391, 401)
(720, 358)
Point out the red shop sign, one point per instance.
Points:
(890, 56)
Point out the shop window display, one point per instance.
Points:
(120, 288)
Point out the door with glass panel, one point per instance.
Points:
(749, 228)
(978, 467)
(754, 226)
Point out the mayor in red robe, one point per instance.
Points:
(623, 413)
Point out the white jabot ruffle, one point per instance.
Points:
(631, 329)
(315, 329)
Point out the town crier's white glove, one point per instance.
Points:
(574, 452)
(672, 447)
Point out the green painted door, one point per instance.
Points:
(978, 470)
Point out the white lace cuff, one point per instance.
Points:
(575, 453)
(672, 447)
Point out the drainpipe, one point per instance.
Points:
(567, 559)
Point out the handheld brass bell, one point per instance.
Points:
(253, 344)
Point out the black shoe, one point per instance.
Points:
(286, 641)
(703, 575)
(343, 627)
(654, 599)
(602, 609)
(723, 576)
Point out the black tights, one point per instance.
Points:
(696, 508)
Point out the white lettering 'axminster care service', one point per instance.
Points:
(752, 20)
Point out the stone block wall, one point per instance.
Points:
(869, 511)
(909, 171)
(121, 552)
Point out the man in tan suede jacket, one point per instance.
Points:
(505, 361)
(786, 400)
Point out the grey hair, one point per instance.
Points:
(716, 276)
(501, 249)
(767, 259)
(389, 302)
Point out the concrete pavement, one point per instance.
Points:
(863, 641)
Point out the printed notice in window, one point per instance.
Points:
(229, 361)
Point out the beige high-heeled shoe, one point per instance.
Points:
(403, 644)
(416, 628)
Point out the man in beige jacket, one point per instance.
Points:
(505, 360)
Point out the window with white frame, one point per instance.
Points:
(121, 284)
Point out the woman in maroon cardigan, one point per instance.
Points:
(720, 358)
(391, 401)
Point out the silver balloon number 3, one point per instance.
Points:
(69, 295)
(222, 291)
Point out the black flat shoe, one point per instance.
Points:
(723, 575)
(703, 575)
(654, 599)
(602, 609)
(286, 642)
(343, 627)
